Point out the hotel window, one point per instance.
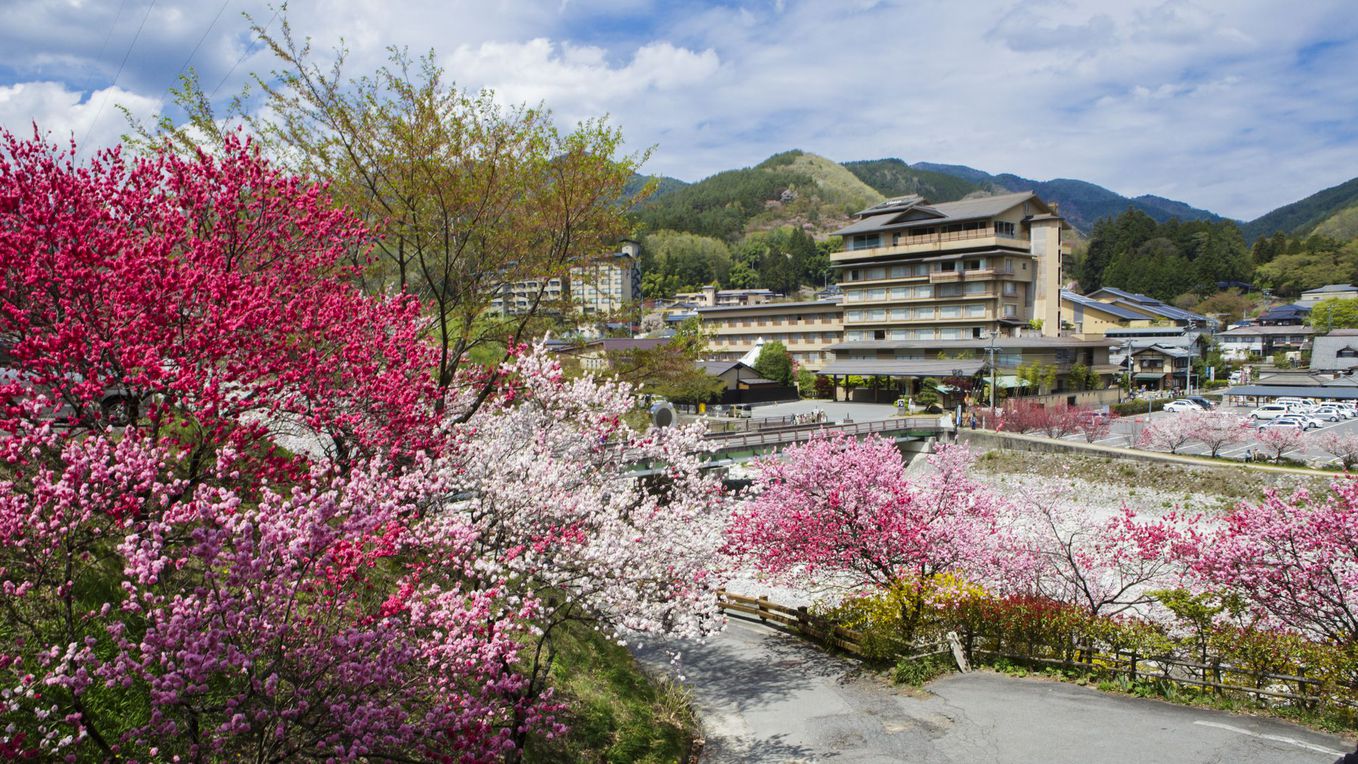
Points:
(875, 273)
(975, 287)
(853, 316)
(950, 334)
(1004, 228)
(899, 314)
(1010, 310)
(950, 311)
(975, 311)
(899, 335)
(878, 314)
(898, 271)
(922, 292)
(924, 313)
(867, 242)
(947, 267)
(1010, 289)
(948, 290)
(879, 334)
(876, 294)
(898, 293)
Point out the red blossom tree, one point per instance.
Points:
(209, 295)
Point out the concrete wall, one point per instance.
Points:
(984, 440)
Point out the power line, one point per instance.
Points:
(206, 32)
(232, 70)
(126, 56)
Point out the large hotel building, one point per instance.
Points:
(960, 270)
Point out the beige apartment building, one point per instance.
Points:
(607, 285)
(914, 271)
(709, 296)
(601, 287)
(808, 329)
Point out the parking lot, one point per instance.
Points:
(1125, 430)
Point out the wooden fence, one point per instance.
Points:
(799, 620)
(1215, 675)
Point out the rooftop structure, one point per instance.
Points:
(1152, 308)
(1329, 291)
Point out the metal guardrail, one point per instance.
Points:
(781, 436)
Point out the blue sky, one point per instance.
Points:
(1237, 106)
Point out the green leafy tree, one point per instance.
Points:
(686, 261)
(1334, 313)
(774, 363)
(1307, 264)
(469, 195)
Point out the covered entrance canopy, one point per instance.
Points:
(1290, 391)
(902, 367)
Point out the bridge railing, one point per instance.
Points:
(778, 436)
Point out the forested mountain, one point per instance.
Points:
(664, 185)
(793, 188)
(1140, 254)
(1331, 209)
(1082, 203)
(893, 177)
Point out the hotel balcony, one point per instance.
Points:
(935, 242)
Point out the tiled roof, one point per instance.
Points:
(1107, 307)
(909, 212)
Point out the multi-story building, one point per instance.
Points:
(914, 271)
(600, 287)
(609, 284)
(710, 296)
(1090, 318)
(520, 297)
(808, 329)
(1157, 311)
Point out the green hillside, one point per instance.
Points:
(1341, 226)
(793, 188)
(1303, 217)
(893, 177)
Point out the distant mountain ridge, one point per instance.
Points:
(1082, 203)
(817, 194)
(1331, 212)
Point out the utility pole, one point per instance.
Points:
(990, 351)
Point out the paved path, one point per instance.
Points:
(769, 697)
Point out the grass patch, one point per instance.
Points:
(1228, 481)
(615, 710)
(921, 670)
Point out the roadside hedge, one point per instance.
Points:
(1132, 408)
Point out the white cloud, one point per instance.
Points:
(61, 113)
(1225, 104)
(578, 81)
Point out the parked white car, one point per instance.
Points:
(1327, 413)
(1270, 411)
(1283, 421)
(1181, 406)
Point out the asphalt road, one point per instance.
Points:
(769, 697)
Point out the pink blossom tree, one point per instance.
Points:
(1293, 558)
(1093, 426)
(1343, 446)
(335, 621)
(1104, 568)
(844, 507)
(1276, 442)
(1168, 433)
(1217, 429)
